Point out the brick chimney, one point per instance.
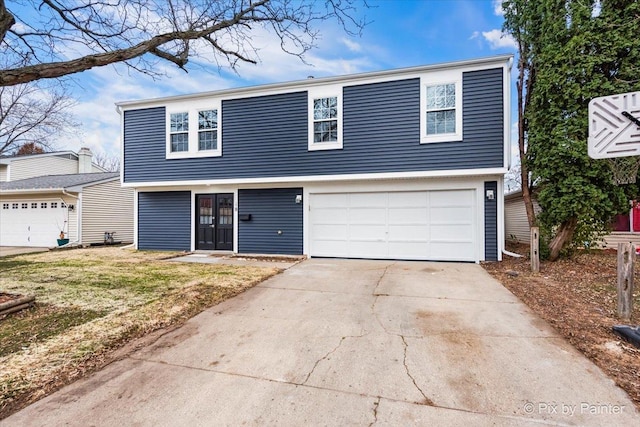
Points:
(84, 160)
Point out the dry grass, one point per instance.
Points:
(128, 294)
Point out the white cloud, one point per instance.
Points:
(474, 35)
(351, 45)
(497, 39)
(497, 8)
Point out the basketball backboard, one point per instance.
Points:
(614, 126)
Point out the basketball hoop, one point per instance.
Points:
(624, 170)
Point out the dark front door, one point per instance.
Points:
(214, 221)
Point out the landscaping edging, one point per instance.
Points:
(17, 304)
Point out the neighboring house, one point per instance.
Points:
(33, 211)
(13, 168)
(400, 164)
(626, 227)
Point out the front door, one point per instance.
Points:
(214, 221)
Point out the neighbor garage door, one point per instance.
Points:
(427, 225)
(32, 223)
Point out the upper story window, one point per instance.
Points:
(179, 132)
(207, 130)
(441, 107)
(193, 129)
(325, 118)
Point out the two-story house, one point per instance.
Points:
(44, 195)
(399, 164)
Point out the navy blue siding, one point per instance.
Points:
(268, 136)
(271, 210)
(491, 222)
(164, 220)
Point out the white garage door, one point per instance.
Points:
(31, 223)
(426, 225)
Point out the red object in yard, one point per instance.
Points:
(636, 216)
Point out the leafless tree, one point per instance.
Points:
(33, 113)
(110, 162)
(55, 38)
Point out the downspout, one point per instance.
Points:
(77, 241)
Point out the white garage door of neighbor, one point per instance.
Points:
(31, 223)
(424, 225)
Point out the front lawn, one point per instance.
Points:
(89, 302)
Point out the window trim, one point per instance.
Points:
(436, 79)
(333, 91)
(192, 108)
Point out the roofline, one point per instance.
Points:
(9, 159)
(325, 80)
(72, 188)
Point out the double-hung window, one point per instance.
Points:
(441, 108)
(194, 129)
(207, 130)
(179, 132)
(325, 118)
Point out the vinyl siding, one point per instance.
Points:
(271, 210)
(491, 222)
(516, 223)
(164, 220)
(268, 136)
(107, 207)
(39, 166)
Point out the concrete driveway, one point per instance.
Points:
(345, 342)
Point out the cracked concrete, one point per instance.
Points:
(346, 342)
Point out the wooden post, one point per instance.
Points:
(626, 258)
(535, 249)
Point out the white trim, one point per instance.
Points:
(332, 91)
(500, 213)
(78, 218)
(436, 79)
(135, 218)
(345, 80)
(192, 108)
(455, 173)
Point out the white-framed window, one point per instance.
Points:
(5, 206)
(34, 205)
(25, 206)
(194, 129)
(63, 205)
(441, 107)
(14, 205)
(207, 130)
(179, 132)
(54, 205)
(43, 205)
(325, 118)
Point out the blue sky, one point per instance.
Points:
(402, 33)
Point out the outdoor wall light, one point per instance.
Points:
(71, 208)
(298, 198)
(490, 195)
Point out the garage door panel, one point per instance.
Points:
(458, 232)
(408, 215)
(409, 233)
(368, 233)
(27, 225)
(330, 216)
(421, 225)
(409, 250)
(368, 249)
(368, 200)
(330, 232)
(368, 216)
(408, 199)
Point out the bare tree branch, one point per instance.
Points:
(31, 113)
(63, 37)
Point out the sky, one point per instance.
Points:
(401, 33)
